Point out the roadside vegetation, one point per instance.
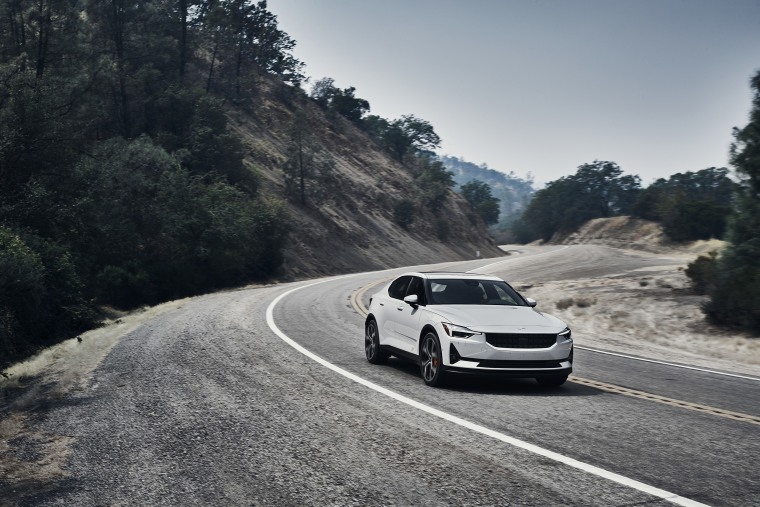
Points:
(732, 279)
(690, 206)
(122, 182)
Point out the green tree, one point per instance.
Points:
(40, 294)
(323, 91)
(434, 182)
(243, 38)
(407, 134)
(307, 172)
(691, 205)
(403, 213)
(345, 103)
(478, 194)
(596, 190)
(735, 293)
(376, 126)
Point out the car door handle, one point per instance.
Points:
(400, 308)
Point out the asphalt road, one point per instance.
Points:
(206, 405)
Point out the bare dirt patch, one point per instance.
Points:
(648, 311)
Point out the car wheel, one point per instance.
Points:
(375, 354)
(552, 381)
(431, 361)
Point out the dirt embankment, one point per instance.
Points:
(650, 311)
(632, 233)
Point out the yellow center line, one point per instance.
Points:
(358, 305)
(642, 395)
(356, 297)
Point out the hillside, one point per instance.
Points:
(148, 155)
(352, 228)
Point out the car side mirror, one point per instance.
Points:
(531, 302)
(412, 299)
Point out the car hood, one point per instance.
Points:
(498, 318)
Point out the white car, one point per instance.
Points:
(467, 323)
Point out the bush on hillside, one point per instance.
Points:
(40, 294)
(403, 213)
(151, 230)
(690, 205)
(433, 183)
(702, 272)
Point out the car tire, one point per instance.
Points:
(431, 360)
(552, 381)
(374, 353)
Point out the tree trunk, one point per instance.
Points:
(43, 38)
(183, 39)
(118, 39)
(302, 169)
(211, 67)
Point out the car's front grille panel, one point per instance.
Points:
(521, 341)
(493, 363)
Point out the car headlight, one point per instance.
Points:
(458, 331)
(565, 335)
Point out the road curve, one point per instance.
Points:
(207, 405)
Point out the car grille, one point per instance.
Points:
(521, 341)
(492, 363)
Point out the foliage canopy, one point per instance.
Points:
(119, 180)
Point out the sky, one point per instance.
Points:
(540, 87)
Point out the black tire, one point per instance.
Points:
(374, 353)
(431, 360)
(552, 381)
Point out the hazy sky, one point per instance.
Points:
(542, 86)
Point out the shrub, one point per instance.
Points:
(403, 213)
(442, 229)
(40, 294)
(151, 230)
(701, 272)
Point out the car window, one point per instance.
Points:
(505, 296)
(417, 286)
(473, 292)
(397, 289)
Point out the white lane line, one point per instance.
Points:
(591, 469)
(487, 266)
(685, 367)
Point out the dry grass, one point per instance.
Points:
(649, 315)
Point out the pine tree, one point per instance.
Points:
(735, 297)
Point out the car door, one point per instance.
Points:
(407, 317)
(388, 323)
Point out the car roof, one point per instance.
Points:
(437, 275)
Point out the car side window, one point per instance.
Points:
(417, 286)
(397, 289)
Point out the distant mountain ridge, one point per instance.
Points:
(512, 191)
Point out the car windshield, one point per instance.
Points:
(472, 292)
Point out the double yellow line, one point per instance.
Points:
(357, 303)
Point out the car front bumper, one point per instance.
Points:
(468, 357)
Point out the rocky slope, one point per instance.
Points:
(351, 228)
